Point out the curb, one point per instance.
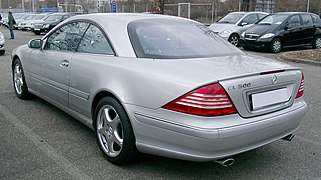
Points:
(287, 57)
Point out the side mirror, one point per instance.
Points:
(35, 43)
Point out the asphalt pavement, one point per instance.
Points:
(39, 141)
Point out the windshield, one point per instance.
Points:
(274, 19)
(30, 17)
(167, 39)
(231, 18)
(38, 17)
(54, 18)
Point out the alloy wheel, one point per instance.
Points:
(18, 79)
(318, 42)
(276, 45)
(234, 40)
(109, 131)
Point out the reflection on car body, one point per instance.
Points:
(160, 84)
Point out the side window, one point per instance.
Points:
(94, 41)
(306, 19)
(261, 15)
(316, 19)
(250, 19)
(294, 21)
(67, 37)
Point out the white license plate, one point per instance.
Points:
(269, 98)
(36, 29)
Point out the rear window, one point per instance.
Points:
(171, 38)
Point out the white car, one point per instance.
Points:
(2, 44)
(231, 26)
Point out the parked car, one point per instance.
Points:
(2, 44)
(142, 85)
(37, 20)
(231, 26)
(50, 22)
(20, 18)
(281, 30)
(26, 24)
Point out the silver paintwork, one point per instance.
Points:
(143, 86)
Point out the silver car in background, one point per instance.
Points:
(231, 26)
(161, 85)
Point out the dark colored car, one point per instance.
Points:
(50, 22)
(281, 30)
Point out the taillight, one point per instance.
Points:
(301, 88)
(210, 100)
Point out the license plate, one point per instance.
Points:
(36, 29)
(269, 98)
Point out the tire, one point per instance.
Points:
(276, 45)
(37, 32)
(114, 133)
(316, 42)
(19, 82)
(2, 52)
(234, 39)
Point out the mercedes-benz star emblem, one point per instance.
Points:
(274, 79)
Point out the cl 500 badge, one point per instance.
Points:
(240, 86)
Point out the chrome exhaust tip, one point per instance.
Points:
(288, 137)
(225, 162)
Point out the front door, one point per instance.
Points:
(293, 31)
(51, 65)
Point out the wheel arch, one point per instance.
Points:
(98, 97)
(15, 57)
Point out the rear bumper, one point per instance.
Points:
(165, 138)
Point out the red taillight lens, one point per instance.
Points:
(209, 100)
(301, 88)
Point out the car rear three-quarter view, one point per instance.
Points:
(161, 85)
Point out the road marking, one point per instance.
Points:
(45, 147)
(309, 141)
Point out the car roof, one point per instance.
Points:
(251, 12)
(290, 13)
(115, 25)
(59, 14)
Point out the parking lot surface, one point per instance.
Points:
(39, 141)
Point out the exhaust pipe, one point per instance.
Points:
(225, 161)
(288, 137)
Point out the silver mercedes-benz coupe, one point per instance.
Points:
(161, 85)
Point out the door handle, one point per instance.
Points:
(64, 63)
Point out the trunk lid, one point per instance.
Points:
(256, 85)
